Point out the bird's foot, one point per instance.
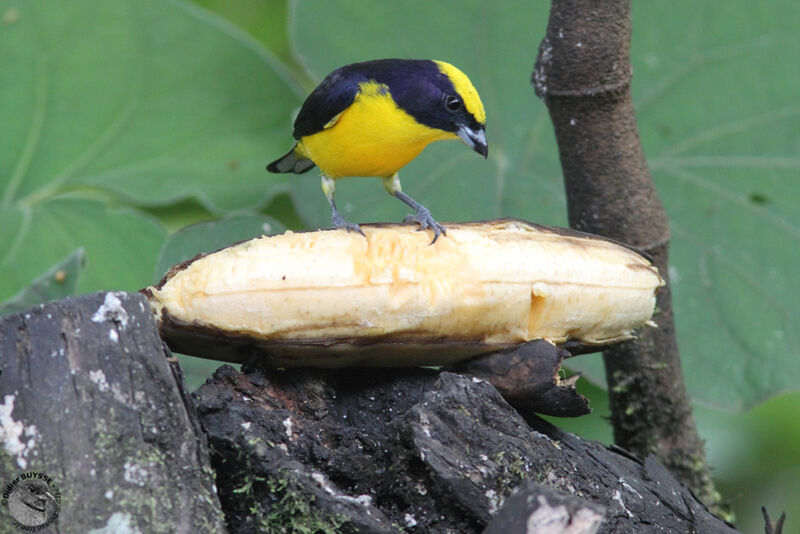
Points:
(340, 222)
(425, 220)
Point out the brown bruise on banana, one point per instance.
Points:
(390, 267)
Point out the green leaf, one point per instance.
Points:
(121, 104)
(495, 45)
(715, 89)
(156, 100)
(211, 236)
(266, 21)
(721, 126)
(120, 245)
(58, 282)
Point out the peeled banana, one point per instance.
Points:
(331, 298)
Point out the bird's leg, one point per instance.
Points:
(423, 216)
(329, 188)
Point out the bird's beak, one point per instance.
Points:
(475, 139)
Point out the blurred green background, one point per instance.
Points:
(125, 122)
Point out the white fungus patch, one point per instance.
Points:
(319, 478)
(618, 498)
(111, 310)
(135, 474)
(14, 433)
(118, 523)
(556, 519)
(548, 519)
(99, 379)
(495, 501)
(363, 500)
(118, 395)
(287, 424)
(11, 430)
(425, 424)
(410, 520)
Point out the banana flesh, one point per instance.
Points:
(332, 298)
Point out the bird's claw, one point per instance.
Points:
(340, 222)
(425, 220)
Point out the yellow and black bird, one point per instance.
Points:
(372, 118)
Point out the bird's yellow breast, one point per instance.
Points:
(372, 137)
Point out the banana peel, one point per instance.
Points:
(331, 298)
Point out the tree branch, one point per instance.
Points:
(583, 74)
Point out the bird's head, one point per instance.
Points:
(438, 95)
(462, 109)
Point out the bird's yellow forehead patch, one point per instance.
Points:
(464, 88)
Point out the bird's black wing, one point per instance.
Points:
(332, 96)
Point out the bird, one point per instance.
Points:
(374, 117)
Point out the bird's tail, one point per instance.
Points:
(293, 161)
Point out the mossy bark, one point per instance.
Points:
(407, 450)
(98, 407)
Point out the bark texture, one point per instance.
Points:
(92, 401)
(583, 73)
(528, 378)
(91, 398)
(416, 450)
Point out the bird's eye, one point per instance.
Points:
(452, 102)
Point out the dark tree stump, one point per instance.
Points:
(414, 450)
(91, 400)
(89, 397)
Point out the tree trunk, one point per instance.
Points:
(583, 74)
(91, 401)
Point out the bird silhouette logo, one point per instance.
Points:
(32, 504)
